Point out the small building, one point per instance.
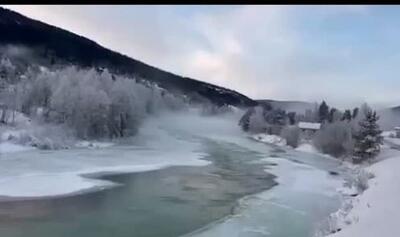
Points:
(308, 129)
(397, 131)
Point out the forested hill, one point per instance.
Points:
(291, 106)
(57, 46)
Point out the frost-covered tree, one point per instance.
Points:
(367, 138)
(291, 134)
(8, 72)
(257, 123)
(94, 103)
(212, 109)
(244, 121)
(263, 118)
(276, 119)
(126, 111)
(334, 139)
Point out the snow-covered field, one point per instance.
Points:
(8, 147)
(375, 212)
(47, 173)
(27, 172)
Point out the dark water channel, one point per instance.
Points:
(168, 202)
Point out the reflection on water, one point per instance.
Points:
(168, 202)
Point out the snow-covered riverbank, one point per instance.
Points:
(304, 146)
(373, 212)
(376, 211)
(27, 172)
(164, 141)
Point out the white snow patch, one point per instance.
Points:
(308, 125)
(8, 147)
(47, 185)
(40, 173)
(93, 144)
(393, 140)
(388, 133)
(307, 147)
(376, 212)
(269, 139)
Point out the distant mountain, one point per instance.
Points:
(290, 106)
(396, 109)
(52, 45)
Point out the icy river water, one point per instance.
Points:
(237, 188)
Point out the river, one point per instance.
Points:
(242, 188)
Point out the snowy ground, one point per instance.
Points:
(169, 140)
(376, 212)
(306, 147)
(269, 139)
(279, 141)
(8, 147)
(27, 172)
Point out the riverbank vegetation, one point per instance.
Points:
(86, 103)
(352, 133)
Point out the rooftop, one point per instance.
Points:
(308, 125)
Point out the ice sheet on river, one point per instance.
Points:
(164, 141)
(293, 208)
(38, 173)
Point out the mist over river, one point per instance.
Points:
(183, 175)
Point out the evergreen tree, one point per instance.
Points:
(244, 122)
(292, 118)
(368, 138)
(347, 115)
(323, 112)
(331, 115)
(355, 113)
(279, 117)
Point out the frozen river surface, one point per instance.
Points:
(199, 177)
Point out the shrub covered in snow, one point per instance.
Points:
(361, 180)
(334, 139)
(358, 179)
(292, 135)
(44, 136)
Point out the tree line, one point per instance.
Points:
(350, 133)
(92, 102)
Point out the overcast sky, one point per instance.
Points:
(344, 54)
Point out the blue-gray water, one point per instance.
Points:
(169, 202)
